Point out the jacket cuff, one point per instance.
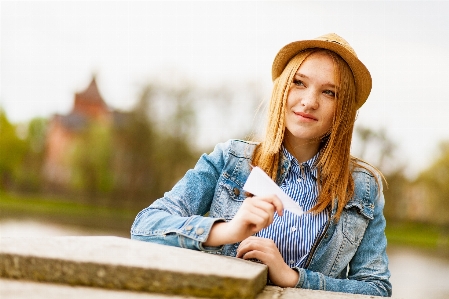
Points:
(302, 277)
(311, 280)
(196, 231)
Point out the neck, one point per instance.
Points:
(302, 150)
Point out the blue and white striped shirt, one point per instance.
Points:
(294, 236)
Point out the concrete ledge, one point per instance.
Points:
(272, 292)
(119, 268)
(119, 263)
(20, 289)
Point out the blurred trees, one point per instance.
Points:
(21, 153)
(34, 134)
(12, 151)
(153, 146)
(133, 157)
(148, 149)
(378, 147)
(379, 150)
(432, 187)
(424, 199)
(92, 158)
(138, 155)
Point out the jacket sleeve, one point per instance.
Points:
(368, 270)
(177, 218)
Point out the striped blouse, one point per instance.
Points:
(293, 235)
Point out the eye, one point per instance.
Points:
(329, 93)
(298, 82)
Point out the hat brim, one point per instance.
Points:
(361, 74)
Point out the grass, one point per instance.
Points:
(423, 236)
(65, 212)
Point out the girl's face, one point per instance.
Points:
(311, 101)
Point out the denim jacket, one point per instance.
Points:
(348, 256)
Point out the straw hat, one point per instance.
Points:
(336, 44)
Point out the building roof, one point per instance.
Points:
(91, 93)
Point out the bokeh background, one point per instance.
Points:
(105, 104)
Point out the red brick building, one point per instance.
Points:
(64, 131)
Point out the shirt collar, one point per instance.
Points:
(308, 165)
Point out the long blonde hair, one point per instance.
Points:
(334, 162)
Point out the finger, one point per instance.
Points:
(260, 244)
(276, 202)
(265, 208)
(267, 203)
(243, 250)
(255, 220)
(260, 207)
(254, 239)
(255, 254)
(278, 205)
(245, 242)
(251, 243)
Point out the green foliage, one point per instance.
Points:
(377, 148)
(132, 158)
(128, 160)
(21, 157)
(135, 141)
(420, 235)
(30, 173)
(153, 151)
(12, 152)
(434, 182)
(92, 161)
(36, 133)
(424, 200)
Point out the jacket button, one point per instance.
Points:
(189, 227)
(200, 231)
(236, 191)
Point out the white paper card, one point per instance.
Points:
(260, 184)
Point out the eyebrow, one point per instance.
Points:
(326, 84)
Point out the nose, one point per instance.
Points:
(310, 100)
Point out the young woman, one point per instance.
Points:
(339, 244)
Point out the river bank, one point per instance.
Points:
(64, 212)
(91, 218)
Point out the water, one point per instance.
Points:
(23, 228)
(415, 274)
(418, 275)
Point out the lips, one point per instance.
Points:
(305, 115)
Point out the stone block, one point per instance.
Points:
(290, 293)
(120, 263)
(273, 292)
(22, 289)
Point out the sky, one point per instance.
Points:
(51, 49)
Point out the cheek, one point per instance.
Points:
(330, 112)
(290, 100)
(289, 104)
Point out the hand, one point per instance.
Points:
(255, 214)
(266, 251)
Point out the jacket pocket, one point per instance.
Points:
(354, 225)
(228, 199)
